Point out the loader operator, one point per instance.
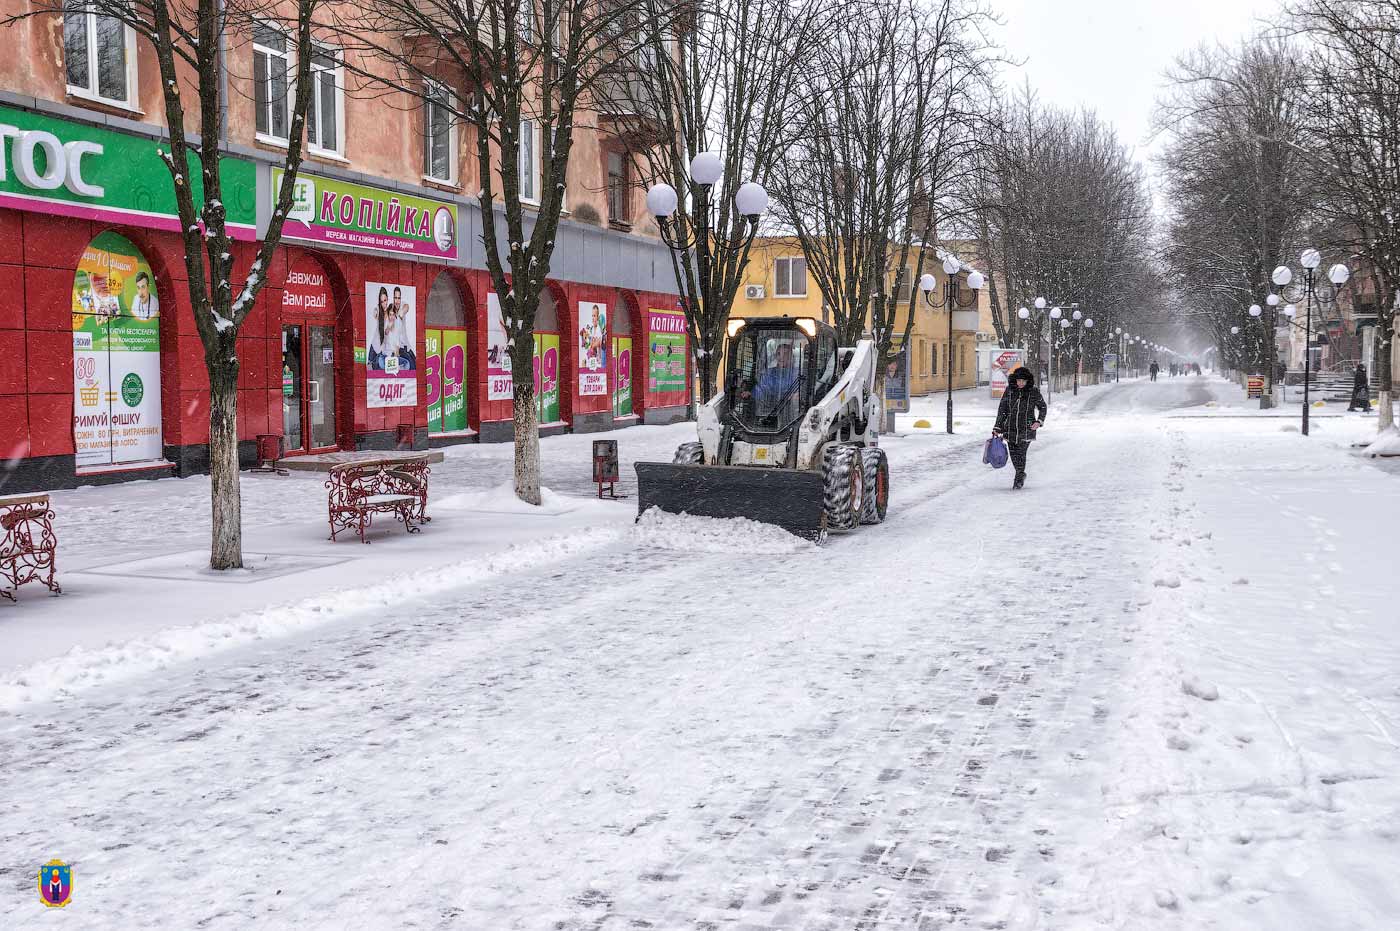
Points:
(777, 383)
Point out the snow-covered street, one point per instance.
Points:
(1155, 689)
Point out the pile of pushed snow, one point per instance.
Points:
(503, 500)
(656, 528)
(1386, 444)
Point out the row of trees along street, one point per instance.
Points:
(879, 126)
(1288, 140)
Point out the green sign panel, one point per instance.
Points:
(49, 165)
(348, 214)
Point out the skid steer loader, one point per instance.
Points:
(791, 439)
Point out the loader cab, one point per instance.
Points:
(779, 366)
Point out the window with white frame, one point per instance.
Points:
(525, 21)
(439, 135)
(271, 67)
(529, 163)
(325, 116)
(99, 57)
(790, 277)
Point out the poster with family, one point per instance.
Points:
(592, 349)
(391, 328)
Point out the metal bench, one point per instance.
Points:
(394, 485)
(29, 544)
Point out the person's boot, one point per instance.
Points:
(1020, 481)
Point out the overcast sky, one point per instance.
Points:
(1111, 54)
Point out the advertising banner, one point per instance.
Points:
(547, 377)
(622, 376)
(116, 355)
(348, 214)
(500, 384)
(1004, 362)
(897, 381)
(592, 349)
(49, 165)
(445, 374)
(665, 351)
(391, 363)
(1110, 364)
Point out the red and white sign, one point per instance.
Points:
(307, 290)
(500, 384)
(1004, 361)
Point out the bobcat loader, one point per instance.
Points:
(791, 440)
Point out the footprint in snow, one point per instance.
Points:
(1177, 742)
(1198, 689)
(1170, 581)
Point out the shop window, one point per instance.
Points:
(99, 57)
(618, 190)
(445, 341)
(271, 67)
(116, 356)
(790, 277)
(440, 135)
(621, 338)
(325, 116)
(548, 358)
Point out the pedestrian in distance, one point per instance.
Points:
(1153, 369)
(1360, 391)
(1021, 413)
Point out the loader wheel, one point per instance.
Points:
(877, 486)
(844, 475)
(689, 454)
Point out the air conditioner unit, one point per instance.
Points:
(753, 292)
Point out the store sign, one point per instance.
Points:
(307, 290)
(116, 356)
(49, 165)
(547, 377)
(446, 377)
(391, 365)
(592, 349)
(666, 351)
(347, 214)
(622, 376)
(1004, 362)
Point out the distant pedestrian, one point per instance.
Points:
(1360, 391)
(1153, 369)
(1021, 413)
(1280, 372)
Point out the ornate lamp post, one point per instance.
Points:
(952, 299)
(1339, 275)
(698, 230)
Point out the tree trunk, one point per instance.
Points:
(226, 548)
(1385, 348)
(527, 442)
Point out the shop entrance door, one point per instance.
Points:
(308, 388)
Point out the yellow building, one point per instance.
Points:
(776, 283)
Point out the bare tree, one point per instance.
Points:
(512, 64)
(891, 127)
(1353, 95)
(1238, 186)
(189, 39)
(728, 83)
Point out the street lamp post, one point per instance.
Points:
(1081, 323)
(952, 299)
(1339, 275)
(697, 231)
(1044, 317)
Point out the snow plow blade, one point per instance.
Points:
(787, 498)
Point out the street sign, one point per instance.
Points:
(1255, 387)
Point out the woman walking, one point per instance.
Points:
(1021, 413)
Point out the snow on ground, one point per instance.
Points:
(1154, 690)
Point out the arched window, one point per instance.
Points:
(116, 355)
(445, 341)
(547, 358)
(445, 307)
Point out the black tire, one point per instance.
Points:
(877, 486)
(689, 454)
(843, 473)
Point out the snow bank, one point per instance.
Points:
(715, 535)
(1386, 444)
(82, 668)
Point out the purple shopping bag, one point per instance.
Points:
(994, 452)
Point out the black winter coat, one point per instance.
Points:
(1020, 407)
(1359, 381)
